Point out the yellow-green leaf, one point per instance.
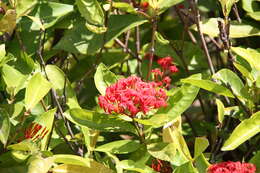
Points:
(244, 131)
(36, 89)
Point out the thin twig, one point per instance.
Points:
(152, 49)
(196, 12)
(184, 22)
(235, 10)
(54, 95)
(138, 48)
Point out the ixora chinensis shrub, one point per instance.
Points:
(102, 86)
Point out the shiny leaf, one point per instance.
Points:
(244, 131)
(36, 89)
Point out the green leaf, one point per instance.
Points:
(92, 12)
(237, 30)
(14, 169)
(156, 121)
(98, 121)
(46, 121)
(221, 110)
(256, 160)
(81, 40)
(134, 166)
(75, 164)
(124, 7)
(250, 5)
(119, 147)
(231, 79)
(227, 5)
(165, 4)
(14, 80)
(209, 85)
(24, 7)
(8, 22)
(201, 164)
(71, 159)
(57, 79)
(255, 15)
(187, 167)
(173, 135)
(25, 145)
(36, 89)
(49, 13)
(181, 100)
(95, 167)
(2, 51)
(39, 164)
(244, 71)
(250, 55)
(104, 78)
(163, 151)
(4, 126)
(244, 131)
(201, 144)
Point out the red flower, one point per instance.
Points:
(173, 69)
(32, 131)
(167, 81)
(165, 62)
(232, 167)
(161, 166)
(167, 65)
(131, 95)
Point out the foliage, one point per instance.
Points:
(179, 82)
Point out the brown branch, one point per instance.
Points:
(193, 4)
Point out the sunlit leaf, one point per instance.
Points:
(119, 147)
(237, 30)
(209, 85)
(250, 55)
(93, 13)
(36, 89)
(227, 5)
(201, 145)
(99, 121)
(4, 126)
(8, 22)
(104, 78)
(133, 166)
(14, 79)
(165, 4)
(221, 110)
(244, 131)
(24, 7)
(39, 164)
(181, 100)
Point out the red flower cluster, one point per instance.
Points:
(168, 67)
(232, 167)
(166, 64)
(33, 129)
(161, 166)
(131, 95)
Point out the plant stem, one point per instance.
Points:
(196, 12)
(152, 49)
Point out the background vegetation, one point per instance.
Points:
(58, 56)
